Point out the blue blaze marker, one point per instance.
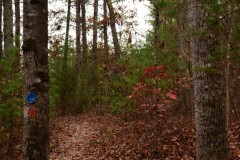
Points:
(31, 97)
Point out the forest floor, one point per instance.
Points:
(91, 136)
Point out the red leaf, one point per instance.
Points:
(172, 96)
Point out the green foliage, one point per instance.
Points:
(56, 78)
(76, 91)
(11, 100)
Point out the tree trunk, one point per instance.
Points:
(157, 41)
(234, 69)
(226, 43)
(78, 56)
(114, 31)
(8, 28)
(105, 32)
(181, 26)
(209, 85)
(36, 80)
(65, 63)
(84, 31)
(1, 33)
(17, 34)
(78, 37)
(94, 50)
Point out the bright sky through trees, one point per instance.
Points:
(138, 32)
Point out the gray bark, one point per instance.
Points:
(8, 28)
(17, 34)
(113, 28)
(35, 54)
(181, 26)
(1, 33)
(84, 30)
(209, 85)
(105, 29)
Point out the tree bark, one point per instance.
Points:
(94, 50)
(17, 34)
(65, 62)
(181, 26)
(114, 31)
(36, 80)
(84, 30)
(105, 29)
(78, 37)
(1, 33)
(157, 40)
(8, 28)
(209, 84)
(78, 55)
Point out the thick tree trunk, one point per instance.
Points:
(226, 43)
(84, 31)
(234, 70)
(8, 28)
(105, 29)
(17, 34)
(65, 62)
(94, 50)
(36, 80)
(209, 85)
(114, 31)
(1, 33)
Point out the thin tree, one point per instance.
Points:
(78, 54)
(8, 53)
(78, 37)
(1, 33)
(8, 27)
(94, 49)
(181, 25)
(208, 82)
(113, 28)
(84, 30)
(105, 29)
(65, 62)
(36, 80)
(17, 34)
(157, 23)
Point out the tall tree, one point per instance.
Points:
(8, 27)
(1, 33)
(78, 53)
(208, 82)
(78, 36)
(105, 28)
(36, 80)
(84, 30)
(113, 28)
(65, 62)
(94, 49)
(157, 23)
(181, 25)
(17, 34)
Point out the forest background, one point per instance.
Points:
(102, 60)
